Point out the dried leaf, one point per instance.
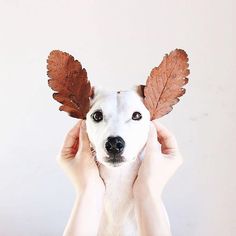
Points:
(164, 84)
(69, 80)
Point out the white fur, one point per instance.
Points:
(118, 109)
(118, 216)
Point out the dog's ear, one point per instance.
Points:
(164, 84)
(69, 80)
(140, 90)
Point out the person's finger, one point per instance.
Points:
(166, 138)
(84, 144)
(152, 146)
(70, 145)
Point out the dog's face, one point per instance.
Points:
(117, 125)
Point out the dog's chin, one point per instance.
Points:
(113, 162)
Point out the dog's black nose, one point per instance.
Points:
(115, 145)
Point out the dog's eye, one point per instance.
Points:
(97, 116)
(136, 116)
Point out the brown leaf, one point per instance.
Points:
(165, 82)
(69, 80)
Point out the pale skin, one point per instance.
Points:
(159, 165)
(161, 160)
(76, 160)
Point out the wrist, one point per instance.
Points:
(94, 190)
(90, 189)
(92, 197)
(143, 189)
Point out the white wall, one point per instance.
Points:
(119, 42)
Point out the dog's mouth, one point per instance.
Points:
(115, 160)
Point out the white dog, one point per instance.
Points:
(117, 125)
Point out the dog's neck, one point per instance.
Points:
(118, 202)
(119, 179)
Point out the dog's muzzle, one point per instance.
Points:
(114, 147)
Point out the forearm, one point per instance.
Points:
(85, 215)
(151, 216)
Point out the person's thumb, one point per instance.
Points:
(84, 144)
(153, 147)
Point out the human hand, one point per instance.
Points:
(161, 160)
(77, 161)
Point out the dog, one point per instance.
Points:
(118, 125)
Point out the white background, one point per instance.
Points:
(118, 42)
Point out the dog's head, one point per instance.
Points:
(117, 125)
(117, 122)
